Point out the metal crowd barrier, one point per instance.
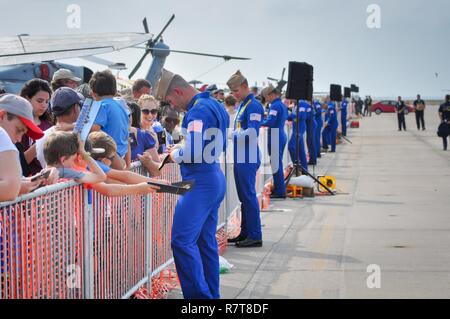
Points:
(64, 241)
(42, 245)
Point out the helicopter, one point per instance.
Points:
(24, 57)
(160, 51)
(281, 82)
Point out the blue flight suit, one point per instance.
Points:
(310, 130)
(302, 126)
(194, 244)
(250, 115)
(319, 125)
(344, 106)
(330, 130)
(278, 115)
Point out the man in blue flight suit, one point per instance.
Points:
(326, 129)
(250, 115)
(310, 131)
(331, 125)
(276, 120)
(344, 106)
(194, 244)
(301, 107)
(319, 125)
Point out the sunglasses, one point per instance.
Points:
(147, 112)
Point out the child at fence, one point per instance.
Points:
(118, 182)
(64, 150)
(112, 117)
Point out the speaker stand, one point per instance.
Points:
(298, 169)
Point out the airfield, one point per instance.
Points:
(387, 235)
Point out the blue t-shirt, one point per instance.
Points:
(113, 119)
(105, 169)
(143, 142)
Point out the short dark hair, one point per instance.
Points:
(103, 83)
(230, 100)
(447, 97)
(68, 111)
(139, 84)
(59, 144)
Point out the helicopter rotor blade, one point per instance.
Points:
(144, 22)
(282, 73)
(164, 29)
(272, 79)
(225, 57)
(138, 65)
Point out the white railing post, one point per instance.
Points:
(148, 241)
(88, 234)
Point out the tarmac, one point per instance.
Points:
(385, 235)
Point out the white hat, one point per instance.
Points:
(65, 74)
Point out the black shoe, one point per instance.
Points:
(274, 196)
(236, 239)
(312, 163)
(246, 243)
(423, 129)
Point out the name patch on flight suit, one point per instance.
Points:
(302, 109)
(273, 112)
(255, 117)
(195, 126)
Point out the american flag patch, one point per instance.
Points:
(255, 117)
(273, 112)
(331, 112)
(195, 126)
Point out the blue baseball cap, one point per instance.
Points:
(63, 99)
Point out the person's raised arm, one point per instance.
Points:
(123, 190)
(10, 176)
(96, 174)
(30, 154)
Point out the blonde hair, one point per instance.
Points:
(146, 98)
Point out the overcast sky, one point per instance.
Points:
(399, 58)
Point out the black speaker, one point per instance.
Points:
(335, 92)
(354, 88)
(347, 92)
(300, 81)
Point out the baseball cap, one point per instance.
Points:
(20, 107)
(65, 74)
(63, 98)
(211, 88)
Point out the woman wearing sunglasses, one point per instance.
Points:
(143, 139)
